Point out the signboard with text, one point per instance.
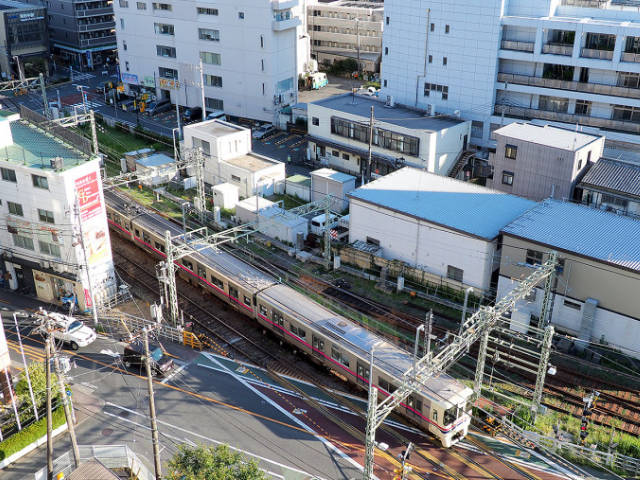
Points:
(169, 83)
(130, 78)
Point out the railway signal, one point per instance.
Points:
(589, 403)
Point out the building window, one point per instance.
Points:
(430, 58)
(387, 20)
(446, 29)
(241, 15)
(534, 257)
(261, 41)
(124, 4)
(49, 248)
(207, 11)
(510, 151)
(235, 178)
(247, 301)
(40, 182)
(623, 112)
(432, 27)
(444, 60)
(23, 242)
(165, 51)
(318, 344)
(571, 304)
(507, 178)
(8, 175)
(345, 156)
(386, 50)
(579, 164)
(162, 6)
(583, 107)
(214, 103)
(122, 23)
(553, 104)
(168, 73)
(45, 216)
(386, 386)
(124, 45)
(15, 209)
(385, 83)
(126, 66)
(141, 6)
(382, 138)
(210, 58)
(209, 34)
(315, 121)
(335, 153)
(163, 29)
(373, 241)
(476, 128)
(455, 273)
(212, 81)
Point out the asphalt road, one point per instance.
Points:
(195, 404)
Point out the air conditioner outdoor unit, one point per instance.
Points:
(45, 264)
(57, 267)
(431, 109)
(390, 101)
(57, 163)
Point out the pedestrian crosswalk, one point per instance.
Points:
(77, 75)
(90, 105)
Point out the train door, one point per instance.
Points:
(278, 322)
(318, 347)
(414, 406)
(363, 373)
(234, 296)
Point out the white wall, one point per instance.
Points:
(422, 245)
(233, 142)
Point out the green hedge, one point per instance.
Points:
(30, 434)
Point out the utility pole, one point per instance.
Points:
(204, 112)
(94, 133)
(370, 145)
(47, 366)
(26, 369)
(327, 236)
(47, 112)
(152, 408)
(67, 411)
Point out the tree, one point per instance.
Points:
(39, 384)
(208, 462)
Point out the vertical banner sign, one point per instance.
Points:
(93, 224)
(87, 298)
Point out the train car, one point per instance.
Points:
(440, 407)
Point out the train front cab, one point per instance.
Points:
(452, 423)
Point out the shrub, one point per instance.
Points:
(30, 434)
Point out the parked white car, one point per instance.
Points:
(67, 329)
(264, 131)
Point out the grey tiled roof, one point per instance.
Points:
(615, 176)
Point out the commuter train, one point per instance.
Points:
(441, 407)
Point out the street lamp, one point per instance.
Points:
(83, 90)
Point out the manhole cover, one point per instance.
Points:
(124, 414)
(107, 431)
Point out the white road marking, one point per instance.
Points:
(183, 365)
(211, 440)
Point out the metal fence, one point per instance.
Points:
(81, 143)
(136, 324)
(115, 457)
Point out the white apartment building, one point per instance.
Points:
(251, 52)
(57, 237)
(346, 29)
(574, 62)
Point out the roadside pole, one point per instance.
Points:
(47, 366)
(152, 408)
(67, 411)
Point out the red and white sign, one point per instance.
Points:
(88, 190)
(87, 298)
(334, 234)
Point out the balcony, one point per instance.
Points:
(558, 49)
(93, 12)
(517, 46)
(595, 88)
(284, 4)
(631, 57)
(96, 26)
(98, 42)
(285, 24)
(597, 54)
(604, 123)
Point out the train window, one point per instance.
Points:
(109, 215)
(450, 415)
(387, 386)
(146, 238)
(118, 220)
(318, 344)
(298, 332)
(278, 319)
(160, 247)
(127, 226)
(414, 403)
(202, 273)
(137, 233)
(247, 301)
(263, 310)
(187, 264)
(363, 373)
(233, 292)
(217, 282)
(338, 356)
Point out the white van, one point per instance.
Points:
(217, 115)
(318, 223)
(66, 329)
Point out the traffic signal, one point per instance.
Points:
(583, 428)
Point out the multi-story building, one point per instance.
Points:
(339, 129)
(56, 241)
(251, 52)
(541, 161)
(346, 29)
(574, 62)
(81, 31)
(598, 275)
(23, 32)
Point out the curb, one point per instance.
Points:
(25, 451)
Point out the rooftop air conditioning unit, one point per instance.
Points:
(456, 113)
(390, 101)
(57, 163)
(431, 109)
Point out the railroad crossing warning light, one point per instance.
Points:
(583, 428)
